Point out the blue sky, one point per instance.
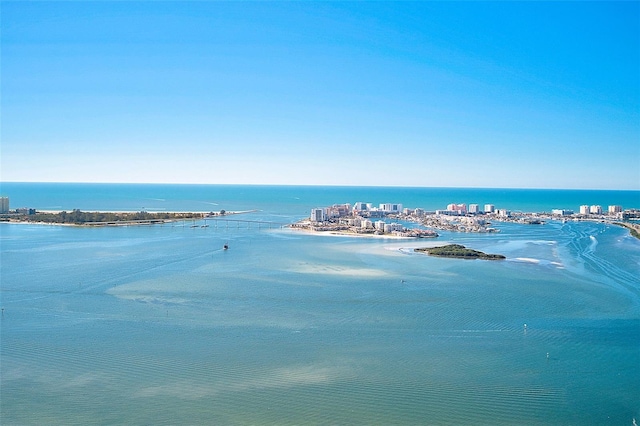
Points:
(460, 94)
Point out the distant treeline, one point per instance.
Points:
(79, 217)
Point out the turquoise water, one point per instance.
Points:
(293, 200)
(159, 325)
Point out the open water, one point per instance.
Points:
(159, 325)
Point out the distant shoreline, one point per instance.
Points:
(131, 218)
(110, 218)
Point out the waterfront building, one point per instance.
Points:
(392, 227)
(4, 204)
(317, 215)
(489, 208)
(354, 221)
(366, 224)
(561, 212)
(379, 225)
(630, 214)
(595, 209)
(391, 208)
(474, 208)
(457, 207)
(26, 210)
(504, 213)
(375, 212)
(338, 210)
(418, 212)
(360, 206)
(615, 209)
(584, 209)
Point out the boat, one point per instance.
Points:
(226, 247)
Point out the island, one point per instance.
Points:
(459, 252)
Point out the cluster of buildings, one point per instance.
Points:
(360, 218)
(474, 209)
(4, 208)
(595, 210)
(367, 218)
(359, 209)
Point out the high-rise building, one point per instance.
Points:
(474, 208)
(4, 204)
(317, 215)
(595, 210)
(489, 208)
(391, 208)
(584, 209)
(360, 206)
(615, 209)
(458, 208)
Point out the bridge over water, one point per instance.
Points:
(217, 223)
(239, 223)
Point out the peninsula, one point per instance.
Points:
(81, 218)
(366, 219)
(459, 252)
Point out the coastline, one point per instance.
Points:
(634, 228)
(178, 216)
(351, 234)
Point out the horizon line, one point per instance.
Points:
(318, 185)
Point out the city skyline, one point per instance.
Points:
(437, 94)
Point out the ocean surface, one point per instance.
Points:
(158, 324)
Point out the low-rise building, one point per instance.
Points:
(392, 227)
(561, 212)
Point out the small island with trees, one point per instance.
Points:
(459, 252)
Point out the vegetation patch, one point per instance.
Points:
(77, 217)
(459, 252)
(633, 227)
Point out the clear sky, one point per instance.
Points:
(462, 94)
